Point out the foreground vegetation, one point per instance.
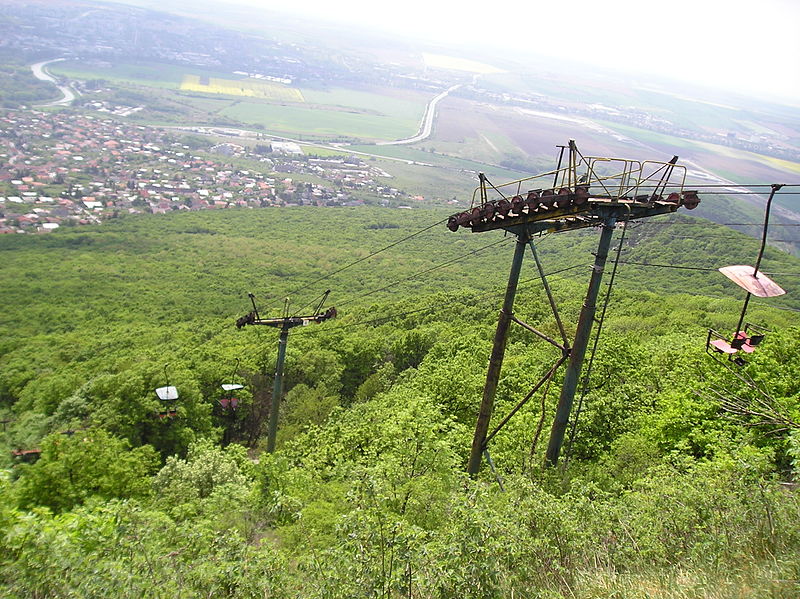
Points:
(665, 494)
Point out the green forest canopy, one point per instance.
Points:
(664, 491)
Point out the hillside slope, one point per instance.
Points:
(666, 493)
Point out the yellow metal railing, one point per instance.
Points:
(613, 179)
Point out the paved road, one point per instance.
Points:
(427, 121)
(248, 134)
(41, 73)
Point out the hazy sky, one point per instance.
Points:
(748, 45)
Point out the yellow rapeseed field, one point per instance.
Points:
(255, 88)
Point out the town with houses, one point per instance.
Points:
(92, 162)
(64, 169)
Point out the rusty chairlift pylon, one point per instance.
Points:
(588, 191)
(285, 323)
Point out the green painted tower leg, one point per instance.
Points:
(496, 359)
(277, 391)
(578, 353)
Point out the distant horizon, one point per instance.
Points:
(717, 44)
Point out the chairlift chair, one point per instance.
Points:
(228, 401)
(754, 282)
(744, 339)
(167, 395)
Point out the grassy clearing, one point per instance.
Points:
(249, 87)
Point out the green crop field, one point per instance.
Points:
(337, 112)
(370, 114)
(322, 152)
(204, 102)
(249, 87)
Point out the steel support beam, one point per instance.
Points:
(578, 353)
(277, 390)
(496, 359)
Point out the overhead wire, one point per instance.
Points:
(724, 234)
(466, 255)
(707, 187)
(473, 252)
(701, 268)
(384, 319)
(367, 257)
(732, 191)
(360, 260)
(456, 259)
(426, 271)
(434, 268)
(691, 223)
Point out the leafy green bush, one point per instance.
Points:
(89, 463)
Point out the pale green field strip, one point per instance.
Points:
(416, 155)
(318, 121)
(205, 102)
(406, 105)
(148, 74)
(323, 152)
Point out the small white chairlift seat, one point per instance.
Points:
(167, 393)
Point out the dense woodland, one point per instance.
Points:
(679, 481)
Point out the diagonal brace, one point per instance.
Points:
(564, 348)
(525, 399)
(550, 299)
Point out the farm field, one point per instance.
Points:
(700, 110)
(148, 74)
(369, 114)
(403, 104)
(465, 168)
(736, 165)
(337, 112)
(248, 87)
(498, 133)
(320, 121)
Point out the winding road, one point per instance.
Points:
(41, 73)
(427, 121)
